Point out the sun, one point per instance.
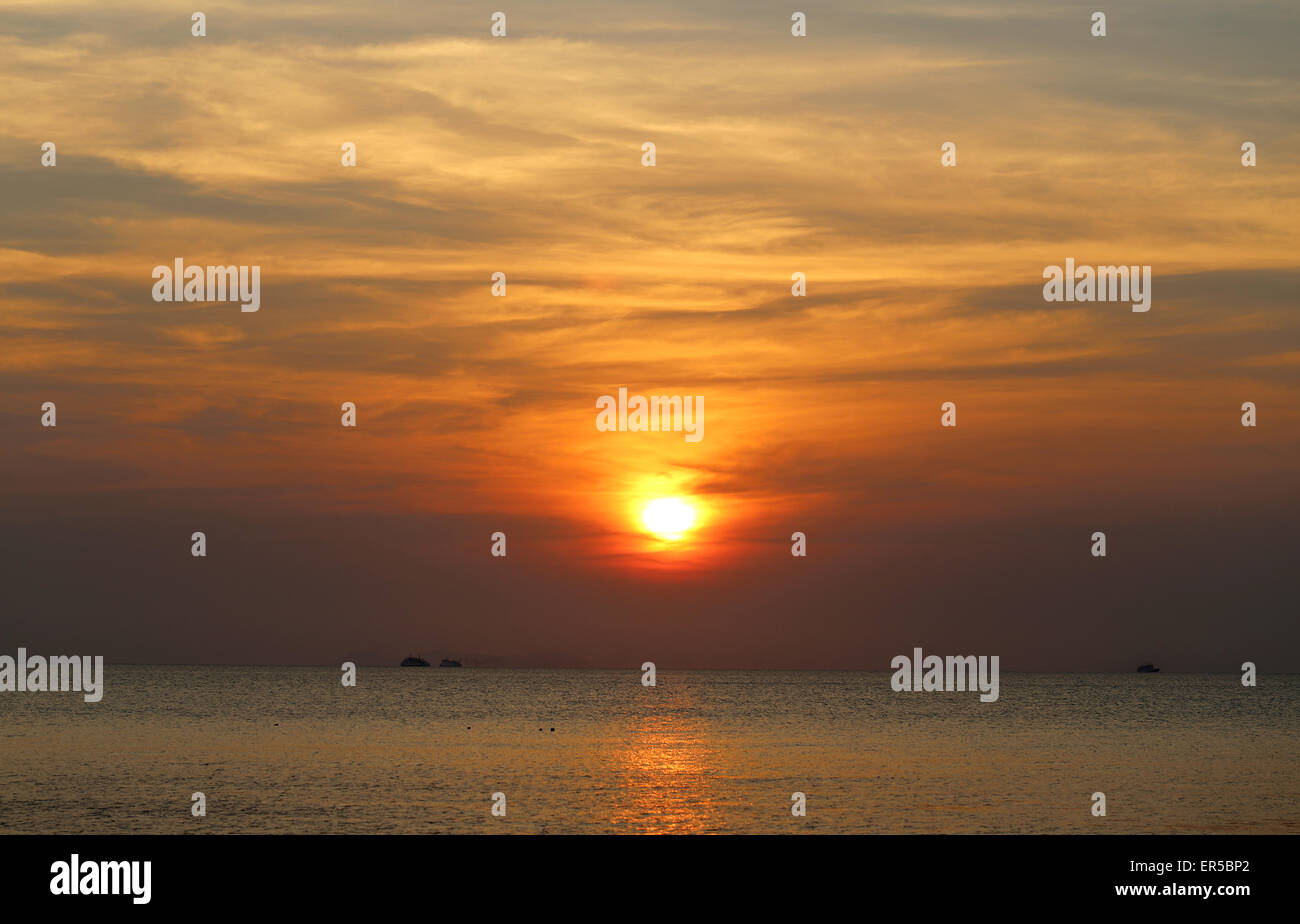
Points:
(668, 517)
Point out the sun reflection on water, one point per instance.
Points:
(669, 779)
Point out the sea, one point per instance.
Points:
(434, 750)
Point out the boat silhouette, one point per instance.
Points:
(449, 662)
(1148, 669)
(414, 661)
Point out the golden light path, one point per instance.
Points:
(668, 517)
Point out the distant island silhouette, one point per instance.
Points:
(418, 661)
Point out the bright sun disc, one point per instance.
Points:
(668, 517)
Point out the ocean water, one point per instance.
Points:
(288, 749)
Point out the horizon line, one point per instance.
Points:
(636, 669)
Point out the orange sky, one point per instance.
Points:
(775, 155)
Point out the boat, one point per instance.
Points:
(1148, 669)
(449, 662)
(414, 661)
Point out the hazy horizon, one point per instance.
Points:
(470, 663)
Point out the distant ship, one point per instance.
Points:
(1148, 669)
(414, 661)
(449, 662)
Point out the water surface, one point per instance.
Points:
(288, 749)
